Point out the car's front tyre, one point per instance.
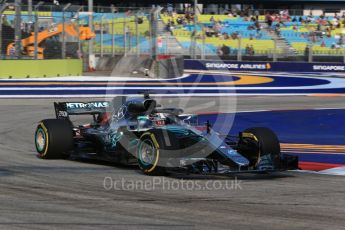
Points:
(258, 142)
(148, 155)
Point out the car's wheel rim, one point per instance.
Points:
(147, 152)
(40, 140)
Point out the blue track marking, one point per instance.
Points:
(321, 158)
(291, 126)
(315, 127)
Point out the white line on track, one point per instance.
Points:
(160, 95)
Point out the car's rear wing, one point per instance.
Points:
(64, 109)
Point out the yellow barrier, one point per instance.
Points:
(40, 68)
(40, 13)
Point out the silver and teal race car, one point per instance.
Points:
(159, 140)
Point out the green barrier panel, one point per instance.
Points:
(40, 68)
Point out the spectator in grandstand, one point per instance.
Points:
(170, 25)
(188, 17)
(284, 14)
(330, 24)
(322, 16)
(310, 19)
(318, 28)
(224, 50)
(246, 19)
(180, 20)
(209, 32)
(212, 19)
(306, 51)
(226, 36)
(269, 20)
(241, 13)
(277, 29)
(338, 25)
(257, 26)
(147, 34)
(251, 50)
(234, 35)
(323, 44)
(341, 40)
(256, 15)
(247, 50)
(251, 27)
(217, 27)
(140, 20)
(322, 22)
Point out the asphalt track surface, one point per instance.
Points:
(70, 194)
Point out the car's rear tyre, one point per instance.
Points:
(265, 142)
(53, 139)
(148, 155)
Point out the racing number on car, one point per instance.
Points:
(62, 114)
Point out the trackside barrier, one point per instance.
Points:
(263, 66)
(40, 68)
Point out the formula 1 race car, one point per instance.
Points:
(160, 140)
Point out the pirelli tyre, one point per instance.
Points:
(53, 139)
(149, 155)
(259, 143)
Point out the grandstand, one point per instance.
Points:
(247, 32)
(222, 30)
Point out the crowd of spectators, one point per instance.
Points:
(319, 27)
(216, 26)
(313, 29)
